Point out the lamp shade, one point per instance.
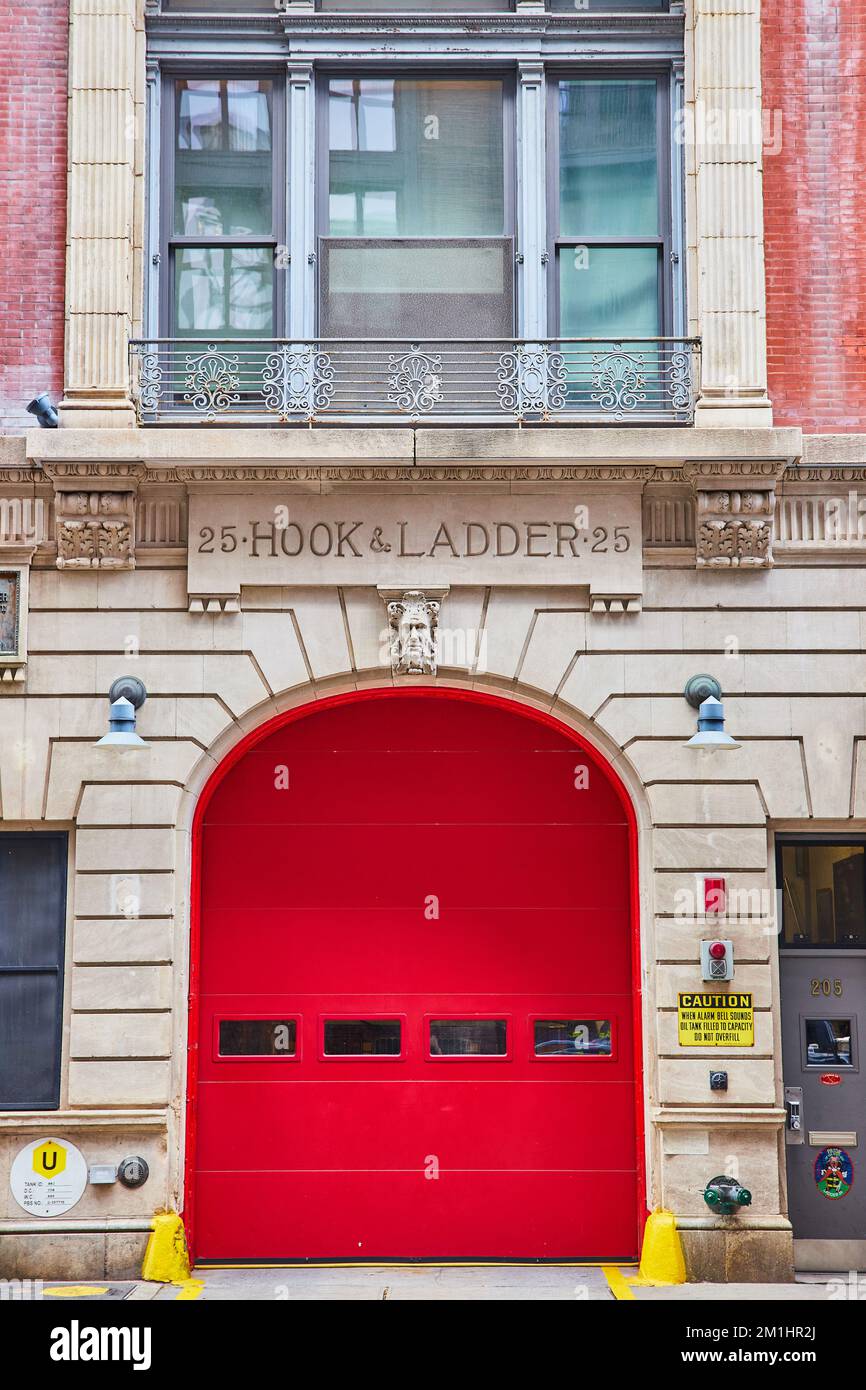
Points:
(711, 728)
(121, 727)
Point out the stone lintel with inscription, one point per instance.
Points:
(568, 537)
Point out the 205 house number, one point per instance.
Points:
(827, 987)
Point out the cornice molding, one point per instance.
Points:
(99, 474)
(828, 473)
(399, 474)
(724, 473)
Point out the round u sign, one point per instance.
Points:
(48, 1177)
(834, 1172)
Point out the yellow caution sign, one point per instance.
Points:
(49, 1160)
(716, 1020)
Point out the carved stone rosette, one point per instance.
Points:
(736, 504)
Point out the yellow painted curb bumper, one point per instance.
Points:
(166, 1260)
(661, 1260)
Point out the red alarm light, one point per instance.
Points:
(718, 950)
(714, 897)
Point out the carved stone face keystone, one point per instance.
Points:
(413, 620)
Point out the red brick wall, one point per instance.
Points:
(34, 43)
(814, 70)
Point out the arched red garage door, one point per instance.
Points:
(414, 1018)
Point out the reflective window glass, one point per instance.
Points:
(362, 1037)
(823, 899)
(609, 292)
(573, 1037)
(415, 157)
(257, 1037)
(222, 291)
(828, 1042)
(223, 172)
(608, 158)
(472, 1037)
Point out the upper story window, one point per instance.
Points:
(610, 218)
(434, 204)
(416, 213)
(225, 209)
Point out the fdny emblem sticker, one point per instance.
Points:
(834, 1172)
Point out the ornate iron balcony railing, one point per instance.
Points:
(259, 381)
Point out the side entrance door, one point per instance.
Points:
(823, 985)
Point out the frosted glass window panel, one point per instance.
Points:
(429, 151)
(609, 292)
(404, 289)
(407, 6)
(608, 158)
(411, 269)
(224, 291)
(612, 6)
(223, 158)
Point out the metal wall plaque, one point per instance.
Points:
(10, 613)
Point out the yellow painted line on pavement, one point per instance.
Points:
(189, 1289)
(619, 1285)
(75, 1291)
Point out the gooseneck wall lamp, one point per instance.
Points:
(704, 694)
(44, 411)
(127, 694)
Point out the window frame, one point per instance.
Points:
(662, 74)
(592, 1057)
(848, 1016)
(806, 841)
(363, 1016)
(280, 1057)
(170, 242)
(467, 1016)
(58, 971)
(500, 71)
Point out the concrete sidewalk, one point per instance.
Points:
(440, 1283)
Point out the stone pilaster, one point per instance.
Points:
(723, 136)
(100, 242)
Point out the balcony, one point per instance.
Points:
(567, 381)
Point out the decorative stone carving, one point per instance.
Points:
(736, 504)
(735, 529)
(413, 619)
(94, 514)
(95, 530)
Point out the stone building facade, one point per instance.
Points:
(211, 554)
